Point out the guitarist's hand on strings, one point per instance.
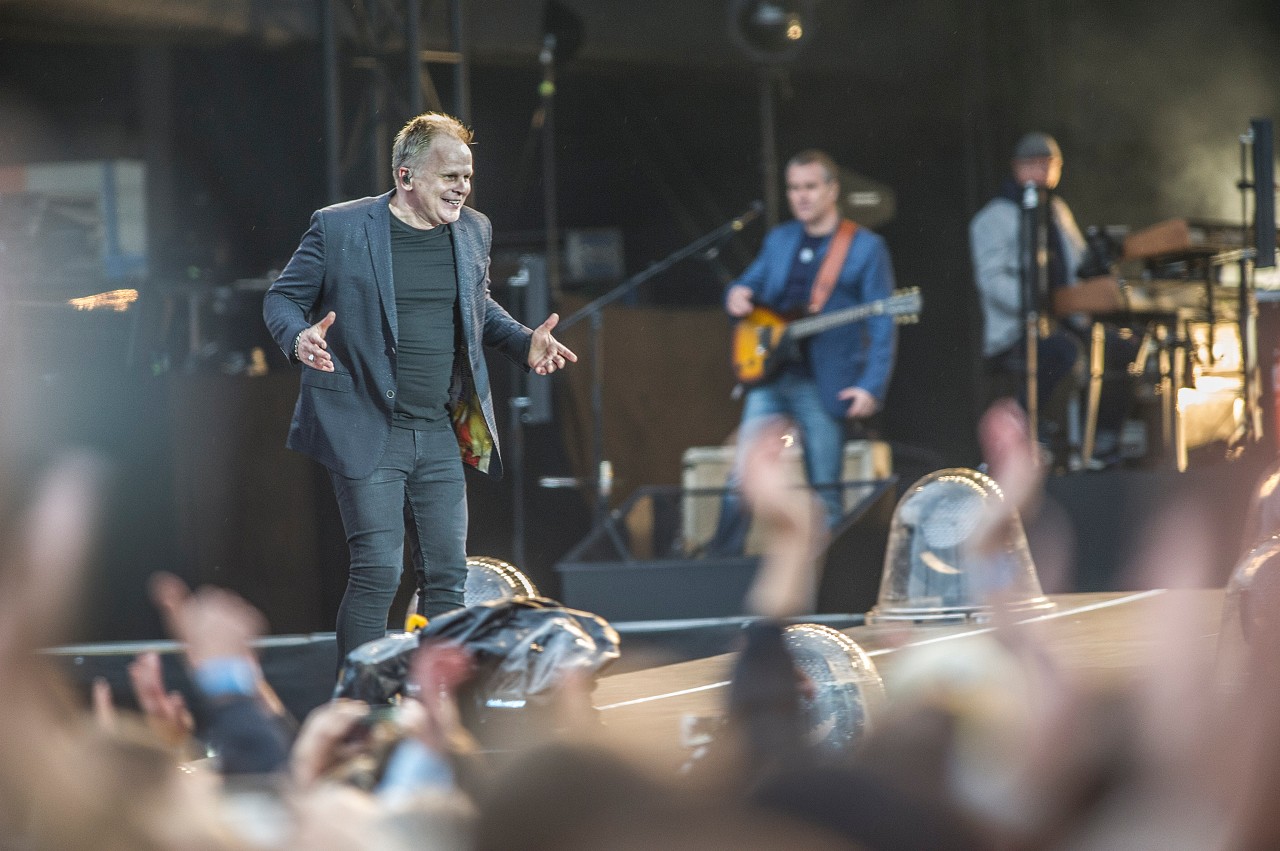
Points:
(861, 403)
(738, 301)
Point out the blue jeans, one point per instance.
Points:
(417, 488)
(797, 398)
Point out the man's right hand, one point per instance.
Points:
(738, 301)
(313, 351)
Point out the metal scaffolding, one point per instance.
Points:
(373, 58)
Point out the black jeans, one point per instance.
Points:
(1059, 356)
(1063, 369)
(417, 488)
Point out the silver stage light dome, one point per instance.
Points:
(931, 570)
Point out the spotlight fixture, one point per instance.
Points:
(771, 31)
(493, 579)
(843, 690)
(932, 573)
(488, 579)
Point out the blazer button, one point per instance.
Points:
(391, 394)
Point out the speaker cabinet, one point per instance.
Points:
(706, 468)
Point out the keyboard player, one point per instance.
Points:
(995, 247)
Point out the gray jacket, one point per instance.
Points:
(343, 418)
(993, 244)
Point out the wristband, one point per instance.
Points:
(226, 676)
(412, 768)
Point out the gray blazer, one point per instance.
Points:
(343, 418)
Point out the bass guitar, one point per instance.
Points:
(763, 340)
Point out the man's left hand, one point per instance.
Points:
(861, 403)
(546, 354)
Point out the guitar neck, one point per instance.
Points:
(809, 326)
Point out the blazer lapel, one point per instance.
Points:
(378, 230)
(777, 281)
(464, 252)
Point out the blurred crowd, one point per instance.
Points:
(993, 742)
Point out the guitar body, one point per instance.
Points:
(764, 339)
(757, 345)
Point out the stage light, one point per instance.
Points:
(561, 32)
(771, 30)
(844, 690)
(931, 570)
(488, 579)
(1252, 591)
(117, 300)
(493, 579)
(1249, 613)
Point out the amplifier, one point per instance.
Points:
(705, 467)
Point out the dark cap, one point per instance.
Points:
(1035, 145)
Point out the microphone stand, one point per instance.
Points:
(518, 410)
(1032, 237)
(547, 91)
(602, 475)
(1252, 142)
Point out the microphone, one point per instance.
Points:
(729, 229)
(1030, 195)
(753, 213)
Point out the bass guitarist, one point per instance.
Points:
(817, 263)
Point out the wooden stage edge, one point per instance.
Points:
(1104, 638)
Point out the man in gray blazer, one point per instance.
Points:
(385, 305)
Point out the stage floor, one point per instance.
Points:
(1103, 638)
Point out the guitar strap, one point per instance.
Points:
(829, 271)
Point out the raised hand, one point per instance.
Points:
(210, 623)
(325, 740)
(546, 354)
(165, 711)
(786, 582)
(1013, 460)
(438, 669)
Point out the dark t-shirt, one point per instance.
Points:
(795, 298)
(804, 269)
(425, 279)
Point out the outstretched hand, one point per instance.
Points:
(546, 353)
(313, 350)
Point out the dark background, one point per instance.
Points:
(658, 134)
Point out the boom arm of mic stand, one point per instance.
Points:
(730, 227)
(595, 310)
